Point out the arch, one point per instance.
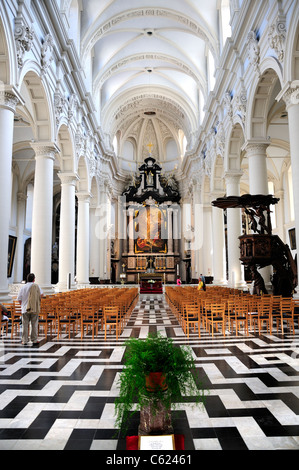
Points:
(94, 191)
(233, 150)
(217, 176)
(259, 100)
(291, 60)
(38, 103)
(83, 183)
(8, 61)
(67, 149)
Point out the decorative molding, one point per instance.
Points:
(228, 105)
(277, 37)
(253, 49)
(47, 53)
(24, 36)
(59, 102)
(8, 100)
(145, 13)
(290, 94)
(240, 103)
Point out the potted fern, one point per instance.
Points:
(155, 376)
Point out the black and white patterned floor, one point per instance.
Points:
(60, 396)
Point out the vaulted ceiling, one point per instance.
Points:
(149, 63)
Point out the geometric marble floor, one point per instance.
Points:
(60, 395)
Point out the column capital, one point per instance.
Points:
(68, 178)
(233, 176)
(255, 147)
(289, 93)
(10, 98)
(215, 194)
(83, 196)
(45, 149)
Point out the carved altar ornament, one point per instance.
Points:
(24, 38)
(46, 53)
(277, 36)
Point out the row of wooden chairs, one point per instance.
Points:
(83, 310)
(230, 309)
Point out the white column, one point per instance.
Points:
(197, 242)
(19, 261)
(234, 230)
(67, 230)
(42, 214)
(257, 166)
(101, 212)
(8, 102)
(258, 182)
(207, 256)
(94, 243)
(176, 230)
(169, 230)
(218, 237)
(108, 241)
(82, 272)
(131, 231)
(291, 97)
(125, 231)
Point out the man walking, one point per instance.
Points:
(29, 298)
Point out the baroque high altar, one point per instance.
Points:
(151, 251)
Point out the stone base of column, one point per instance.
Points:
(47, 290)
(241, 285)
(219, 282)
(62, 287)
(82, 285)
(5, 296)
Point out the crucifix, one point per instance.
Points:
(150, 147)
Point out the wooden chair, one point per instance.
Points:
(46, 319)
(296, 309)
(253, 302)
(16, 317)
(229, 311)
(4, 323)
(192, 318)
(264, 314)
(276, 299)
(111, 319)
(65, 319)
(240, 315)
(89, 319)
(216, 317)
(206, 311)
(286, 313)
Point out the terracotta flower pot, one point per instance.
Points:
(155, 381)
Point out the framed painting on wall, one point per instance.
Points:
(12, 241)
(292, 237)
